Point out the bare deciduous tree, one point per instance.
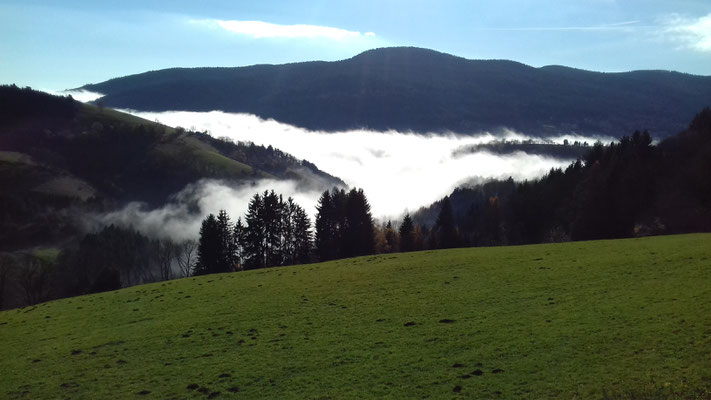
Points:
(34, 279)
(6, 264)
(186, 257)
(166, 253)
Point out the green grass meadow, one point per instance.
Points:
(607, 319)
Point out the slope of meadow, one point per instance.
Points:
(605, 319)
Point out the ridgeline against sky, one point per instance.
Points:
(423, 91)
(87, 41)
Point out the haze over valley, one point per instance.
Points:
(399, 171)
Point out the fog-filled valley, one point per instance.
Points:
(398, 171)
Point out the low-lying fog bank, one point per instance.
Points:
(398, 171)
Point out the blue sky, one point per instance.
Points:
(57, 44)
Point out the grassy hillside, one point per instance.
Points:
(606, 319)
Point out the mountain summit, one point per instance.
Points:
(421, 90)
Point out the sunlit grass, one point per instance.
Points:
(622, 319)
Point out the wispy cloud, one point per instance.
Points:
(692, 33)
(261, 29)
(626, 26)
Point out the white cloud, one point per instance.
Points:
(692, 33)
(261, 29)
(397, 171)
(82, 95)
(626, 26)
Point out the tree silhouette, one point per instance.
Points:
(208, 246)
(445, 228)
(344, 225)
(406, 232)
(277, 232)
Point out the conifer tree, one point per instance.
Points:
(208, 246)
(445, 228)
(406, 234)
(255, 241)
(226, 252)
(238, 238)
(302, 236)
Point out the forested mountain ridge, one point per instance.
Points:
(59, 157)
(419, 90)
(629, 188)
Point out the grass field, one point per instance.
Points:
(606, 319)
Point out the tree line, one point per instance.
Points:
(109, 259)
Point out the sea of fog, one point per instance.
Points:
(399, 171)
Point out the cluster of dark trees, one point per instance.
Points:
(344, 225)
(109, 259)
(275, 232)
(23, 105)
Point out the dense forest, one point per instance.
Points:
(419, 90)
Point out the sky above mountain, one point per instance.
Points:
(56, 44)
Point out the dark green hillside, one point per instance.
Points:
(624, 319)
(421, 90)
(59, 157)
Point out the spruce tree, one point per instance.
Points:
(406, 234)
(255, 234)
(326, 230)
(226, 252)
(302, 236)
(359, 234)
(238, 238)
(445, 228)
(208, 246)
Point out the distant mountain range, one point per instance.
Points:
(419, 90)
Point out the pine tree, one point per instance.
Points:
(216, 248)
(392, 238)
(238, 238)
(445, 228)
(208, 246)
(359, 233)
(406, 234)
(326, 228)
(272, 218)
(255, 241)
(226, 257)
(302, 236)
